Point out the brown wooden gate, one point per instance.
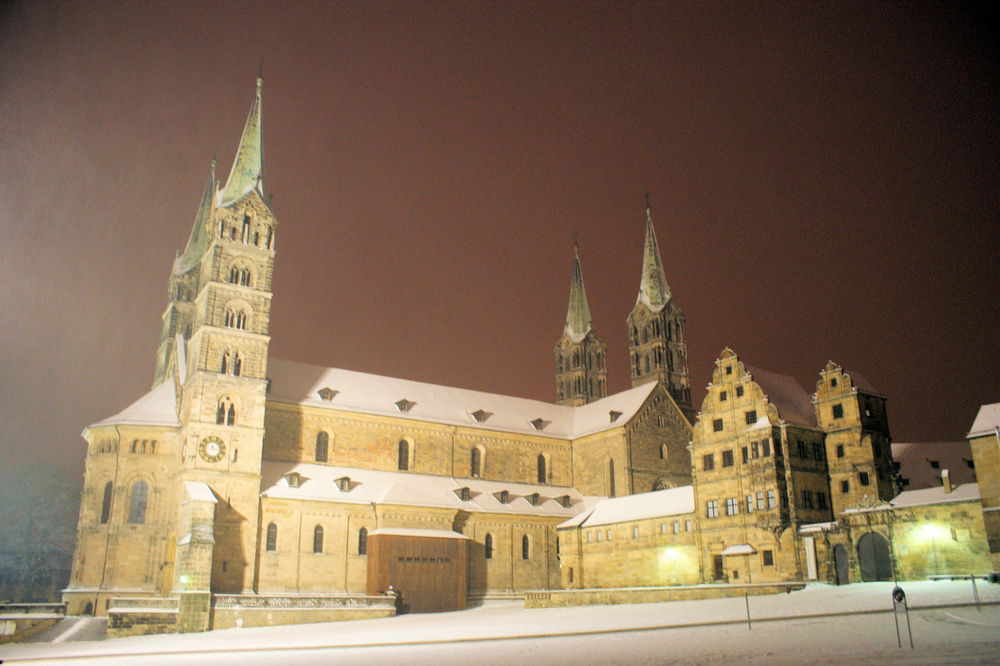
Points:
(426, 568)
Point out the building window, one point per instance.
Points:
(751, 417)
(106, 504)
(403, 459)
(688, 526)
(760, 502)
(863, 478)
(746, 455)
(663, 528)
(525, 547)
(729, 369)
(732, 507)
(802, 448)
(708, 461)
(717, 425)
(765, 447)
(817, 451)
(840, 450)
(322, 447)
(739, 391)
(475, 462)
(137, 508)
(838, 411)
(542, 476)
(821, 501)
(807, 499)
(609, 535)
(722, 396)
(226, 412)
(772, 499)
(363, 541)
(635, 532)
(272, 538)
(611, 478)
(749, 503)
(318, 539)
(755, 449)
(488, 547)
(767, 557)
(235, 319)
(712, 509)
(845, 487)
(727, 458)
(598, 536)
(677, 527)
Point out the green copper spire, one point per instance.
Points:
(201, 235)
(578, 320)
(248, 167)
(653, 289)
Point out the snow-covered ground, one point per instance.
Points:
(821, 624)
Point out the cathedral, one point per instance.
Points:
(244, 482)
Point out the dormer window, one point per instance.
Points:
(503, 497)
(405, 405)
(614, 415)
(344, 484)
(294, 479)
(464, 494)
(533, 499)
(481, 415)
(327, 393)
(540, 423)
(564, 501)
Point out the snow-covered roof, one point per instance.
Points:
(813, 528)
(402, 531)
(299, 383)
(967, 492)
(740, 549)
(987, 421)
(643, 506)
(157, 408)
(200, 492)
(365, 486)
(654, 292)
(921, 463)
(862, 384)
(784, 392)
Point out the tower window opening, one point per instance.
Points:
(237, 365)
(246, 229)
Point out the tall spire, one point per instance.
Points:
(248, 168)
(200, 234)
(653, 289)
(578, 320)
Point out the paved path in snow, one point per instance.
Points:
(80, 628)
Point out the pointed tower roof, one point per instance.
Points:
(200, 234)
(578, 320)
(248, 167)
(653, 289)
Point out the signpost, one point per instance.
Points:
(899, 606)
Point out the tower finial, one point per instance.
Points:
(647, 201)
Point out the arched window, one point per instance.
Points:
(611, 477)
(135, 446)
(270, 237)
(234, 275)
(137, 507)
(363, 541)
(222, 229)
(272, 538)
(318, 539)
(403, 462)
(475, 462)
(542, 476)
(322, 446)
(489, 546)
(525, 547)
(106, 504)
(237, 365)
(226, 413)
(245, 277)
(246, 229)
(224, 368)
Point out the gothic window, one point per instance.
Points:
(246, 229)
(272, 538)
(525, 547)
(489, 547)
(322, 447)
(363, 541)
(225, 363)
(137, 507)
(403, 459)
(235, 319)
(318, 539)
(226, 413)
(237, 365)
(256, 238)
(106, 504)
(234, 275)
(245, 277)
(542, 476)
(475, 463)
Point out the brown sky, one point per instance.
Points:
(824, 182)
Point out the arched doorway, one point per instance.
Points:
(88, 609)
(841, 565)
(873, 558)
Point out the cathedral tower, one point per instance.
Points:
(657, 342)
(215, 342)
(581, 376)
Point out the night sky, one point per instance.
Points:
(824, 182)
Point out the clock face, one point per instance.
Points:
(212, 449)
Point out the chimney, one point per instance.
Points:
(946, 480)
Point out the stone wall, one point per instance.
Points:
(648, 595)
(234, 611)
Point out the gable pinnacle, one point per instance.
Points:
(578, 320)
(653, 289)
(247, 173)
